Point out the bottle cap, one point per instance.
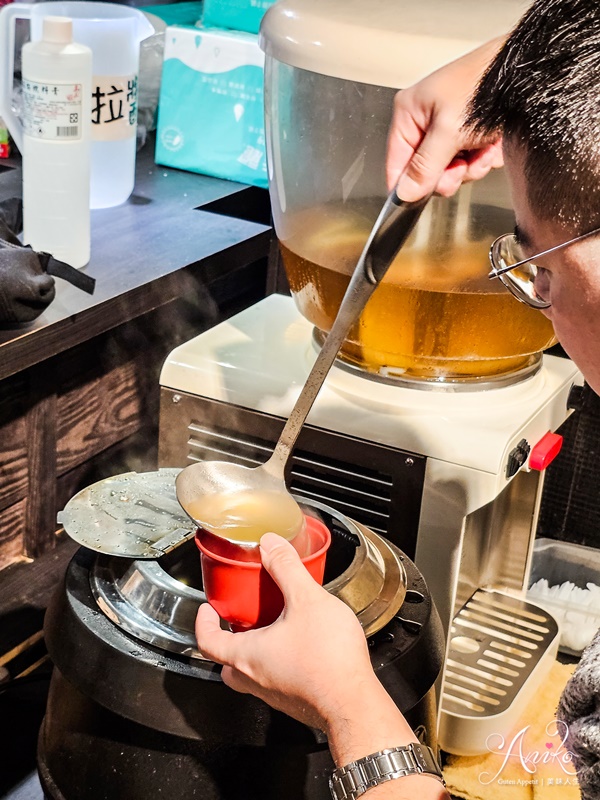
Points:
(58, 30)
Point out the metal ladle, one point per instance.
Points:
(393, 225)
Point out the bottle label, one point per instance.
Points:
(114, 107)
(52, 110)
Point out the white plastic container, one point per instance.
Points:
(569, 570)
(113, 32)
(57, 78)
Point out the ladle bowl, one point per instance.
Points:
(199, 482)
(247, 497)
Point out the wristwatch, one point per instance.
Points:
(353, 780)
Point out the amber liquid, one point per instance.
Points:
(245, 516)
(435, 315)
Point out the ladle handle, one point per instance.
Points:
(394, 223)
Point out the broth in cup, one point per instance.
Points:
(242, 517)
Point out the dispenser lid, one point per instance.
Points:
(391, 43)
(133, 515)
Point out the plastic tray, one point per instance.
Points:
(561, 562)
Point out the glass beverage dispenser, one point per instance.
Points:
(332, 70)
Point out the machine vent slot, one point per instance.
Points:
(363, 494)
(485, 674)
(205, 444)
(374, 484)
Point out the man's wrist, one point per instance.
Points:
(368, 723)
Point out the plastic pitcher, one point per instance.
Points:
(113, 32)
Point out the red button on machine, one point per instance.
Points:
(545, 451)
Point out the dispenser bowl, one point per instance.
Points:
(436, 316)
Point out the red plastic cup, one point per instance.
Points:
(242, 592)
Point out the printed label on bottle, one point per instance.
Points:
(52, 110)
(114, 107)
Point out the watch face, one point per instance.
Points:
(426, 759)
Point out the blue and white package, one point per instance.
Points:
(210, 111)
(241, 15)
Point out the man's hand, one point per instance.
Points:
(310, 663)
(428, 148)
(313, 664)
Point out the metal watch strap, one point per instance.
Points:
(353, 780)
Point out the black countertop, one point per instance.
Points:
(140, 251)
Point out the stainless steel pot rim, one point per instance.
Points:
(143, 599)
(393, 377)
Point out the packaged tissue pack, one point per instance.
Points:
(241, 15)
(210, 111)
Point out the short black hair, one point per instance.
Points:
(542, 92)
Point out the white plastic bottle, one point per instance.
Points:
(57, 80)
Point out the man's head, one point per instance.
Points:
(542, 93)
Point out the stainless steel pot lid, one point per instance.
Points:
(134, 515)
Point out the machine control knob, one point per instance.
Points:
(545, 451)
(576, 398)
(517, 457)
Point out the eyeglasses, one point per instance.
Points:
(518, 273)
